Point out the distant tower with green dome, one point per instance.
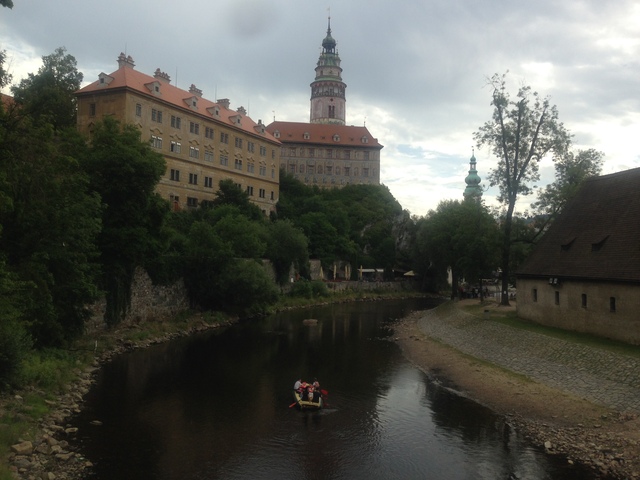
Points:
(473, 190)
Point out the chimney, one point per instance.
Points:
(163, 77)
(195, 91)
(242, 110)
(224, 102)
(124, 61)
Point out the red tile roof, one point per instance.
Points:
(126, 77)
(597, 236)
(318, 133)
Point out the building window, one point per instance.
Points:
(224, 138)
(175, 175)
(251, 147)
(332, 111)
(347, 154)
(355, 171)
(534, 294)
(251, 167)
(192, 202)
(194, 152)
(156, 142)
(193, 178)
(194, 128)
(292, 168)
(557, 298)
(92, 109)
(612, 304)
(329, 153)
(250, 190)
(208, 182)
(366, 155)
(138, 110)
(156, 115)
(238, 142)
(271, 194)
(311, 169)
(224, 160)
(301, 169)
(365, 172)
(347, 171)
(312, 152)
(176, 122)
(337, 170)
(208, 132)
(263, 170)
(329, 170)
(292, 151)
(175, 201)
(319, 169)
(208, 156)
(238, 164)
(262, 193)
(584, 300)
(263, 151)
(176, 147)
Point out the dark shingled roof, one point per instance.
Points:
(597, 236)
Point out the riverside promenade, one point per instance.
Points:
(595, 374)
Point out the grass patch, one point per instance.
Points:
(50, 369)
(511, 319)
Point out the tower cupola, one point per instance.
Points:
(473, 189)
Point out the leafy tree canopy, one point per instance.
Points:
(48, 95)
(521, 132)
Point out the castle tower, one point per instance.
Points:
(328, 103)
(473, 189)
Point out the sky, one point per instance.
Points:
(416, 70)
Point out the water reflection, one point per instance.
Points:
(217, 406)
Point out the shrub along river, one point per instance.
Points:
(217, 406)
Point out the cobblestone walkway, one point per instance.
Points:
(600, 376)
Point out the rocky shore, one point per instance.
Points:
(51, 453)
(605, 439)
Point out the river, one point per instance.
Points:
(217, 406)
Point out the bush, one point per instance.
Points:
(15, 345)
(49, 368)
(307, 289)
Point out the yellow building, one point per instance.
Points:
(202, 141)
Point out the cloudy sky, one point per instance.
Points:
(416, 70)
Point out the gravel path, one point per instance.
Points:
(600, 376)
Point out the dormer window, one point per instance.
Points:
(597, 246)
(104, 79)
(306, 135)
(276, 134)
(365, 139)
(336, 138)
(154, 87)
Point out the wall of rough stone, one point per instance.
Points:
(148, 302)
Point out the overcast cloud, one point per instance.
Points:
(415, 69)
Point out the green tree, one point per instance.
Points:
(461, 236)
(48, 96)
(247, 238)
(572, 169)
(6, 3)
(49, 226)
(124, 171)
(287, 246)
(520, 133)
(231, 194)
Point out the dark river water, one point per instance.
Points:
(217, 406)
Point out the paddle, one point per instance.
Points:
(293, 404)
(324, 392)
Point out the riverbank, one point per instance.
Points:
(549, 414)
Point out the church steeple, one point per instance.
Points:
(473, 189)
(328, 102)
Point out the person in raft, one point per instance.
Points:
(298, 385)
